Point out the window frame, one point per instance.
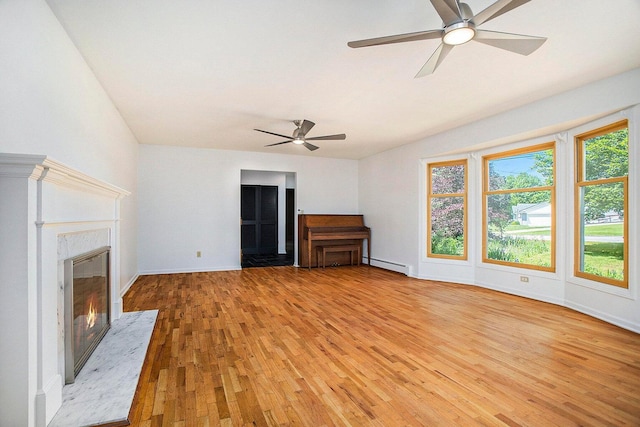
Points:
(580, 183)
(465, 205)
(486, 193)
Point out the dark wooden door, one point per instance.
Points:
(259, 211)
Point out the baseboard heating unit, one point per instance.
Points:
(392, 265)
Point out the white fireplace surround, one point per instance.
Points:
(48, 213)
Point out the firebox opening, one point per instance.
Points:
(86, 307)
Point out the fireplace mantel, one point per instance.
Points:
(39, 167)
(44, 205)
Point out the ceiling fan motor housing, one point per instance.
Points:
(460, 31)
(465, 13)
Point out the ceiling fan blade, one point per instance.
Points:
(449, 10)
(271, 133)
(328, 137)
(517, 43)
(436, 59)
(279, 143)
(398, 38)
(497, 9)
(306, 126)
(311, 147)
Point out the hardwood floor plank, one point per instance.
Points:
(360, 346)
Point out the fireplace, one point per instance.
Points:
(86, 307)
(56, 214)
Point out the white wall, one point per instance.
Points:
(389, 197)
(190, 201)
(51, 104)
(392, 198)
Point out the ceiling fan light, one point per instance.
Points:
(298, 141)
(459, 33)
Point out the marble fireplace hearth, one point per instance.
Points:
(104, 389)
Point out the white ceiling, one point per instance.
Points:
(205, 73)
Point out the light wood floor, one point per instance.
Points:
(361, 346)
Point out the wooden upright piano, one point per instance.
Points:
(316, 230)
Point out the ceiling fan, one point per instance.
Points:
(300, 135)
(459, 25)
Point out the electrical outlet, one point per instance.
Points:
(198, 254)
(524, 279)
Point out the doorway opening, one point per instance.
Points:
(267, 209)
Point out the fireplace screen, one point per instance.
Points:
(86, 307)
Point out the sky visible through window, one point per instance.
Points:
(515, 165)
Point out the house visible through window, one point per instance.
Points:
(601, 194)
(518, 213)
(447, 209)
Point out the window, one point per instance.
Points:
(518, 208)
(447, 209)
(601, 192)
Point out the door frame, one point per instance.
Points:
(286, 179)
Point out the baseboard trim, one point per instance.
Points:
(445, 279)
(124, 290)
(631, 326)
(530, 295)
(622, 323)
(190, 270)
